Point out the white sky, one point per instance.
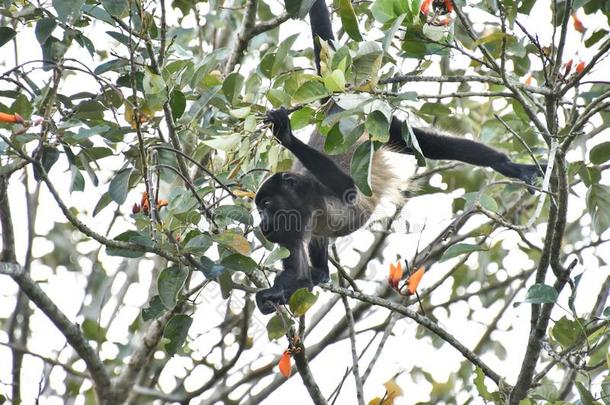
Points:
(402, 351)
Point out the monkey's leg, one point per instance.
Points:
(436, 146)
(294, 276)
(318, 256)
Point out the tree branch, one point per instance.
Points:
(71, 331)
(423, 321)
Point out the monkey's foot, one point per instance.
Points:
(269, 299)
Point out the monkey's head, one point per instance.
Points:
(286, 202)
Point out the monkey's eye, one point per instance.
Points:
(266, 203)
(289, 179)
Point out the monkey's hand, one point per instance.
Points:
(528, 173)
(280, 124)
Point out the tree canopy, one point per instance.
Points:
(146, 256)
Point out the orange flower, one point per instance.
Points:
(580, 67)
(449, 5)
(284, 364)
(11, 118)
(578, 25)
(145, 203)
(425, 7)
(528, 80)
(395, 275)
(414, 280)
(135, 209)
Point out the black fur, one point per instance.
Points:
(292, 204)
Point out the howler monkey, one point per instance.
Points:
(318, 199)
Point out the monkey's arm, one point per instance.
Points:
(435, 146)
(321, 166)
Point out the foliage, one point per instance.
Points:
(120, 100)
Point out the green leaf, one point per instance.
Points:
(389, 35)
(361, 167)
(387, 10)
(335, 82)
(279, 62)
(301, 118)
(566, 332)
(434, 109)
(170, 283)
(68, 10)
(349, 20)
(236, 213)
(44, 29)
(154, 309)
(598, 203)
(6, 34)
(153, 83)
(232, 85)
(77, 181)
(210, 269)
(103, 202)
(276, 327)
(586, 398)
(301, 301)
(132, 237)
(198, 244)
(486, 201)
(93, 331)
(226, 284)
(177, 101)
(605, 392)
(541, 294)
(278, 253)
(176, 331)
(114, 65)
(595, 37)
(606, 313)
(600, 153)
(119, 186)
(225, 143)
(115, 7)
(479, 383)
(309, 92)
(234, 240)
(239, 262)
(378, 126)
(298, 8)
(48, 156)
(240, 113)
(460, 249)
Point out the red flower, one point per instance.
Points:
(395, 275)
(578, 25)
(425, 7)
(580, 67)
(449, 5)
(284, 364)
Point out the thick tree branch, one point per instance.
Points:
(243, 37)
(71, 331)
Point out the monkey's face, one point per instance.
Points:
(284, 202)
